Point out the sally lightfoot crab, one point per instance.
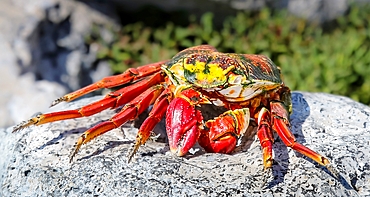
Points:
(248, 86)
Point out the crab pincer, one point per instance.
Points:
(182, 124)
(222, 133)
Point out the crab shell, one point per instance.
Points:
(234, 77)
(248, 86)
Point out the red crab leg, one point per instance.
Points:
(279, 116)
(155, 116)
(265, 136)
(112, 100)
(129, 75)
(224, 131)
(129, 112)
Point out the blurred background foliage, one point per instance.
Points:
(332, 57)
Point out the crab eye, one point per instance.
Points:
(235, 79)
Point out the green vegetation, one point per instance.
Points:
(332, 57)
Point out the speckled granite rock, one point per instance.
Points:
(35, 161)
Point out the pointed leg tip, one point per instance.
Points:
(78, 145)
(57, 101)
(72, 156)
(25, 124)
(130, 156)
(17, 128)
(70, 159)
(133, 151)
(333, 170)
(268, 171)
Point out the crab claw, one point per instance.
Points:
(224, 131)
(182, 124)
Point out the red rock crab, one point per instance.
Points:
(248, 86)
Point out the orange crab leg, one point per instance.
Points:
(129, 112)
(279, 116)
(128, 76)
(112, 100)
(265, 136)
(155, 116)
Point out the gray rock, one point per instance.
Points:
(29, 96)
(35, 160)
(43, 53)
(21, 97)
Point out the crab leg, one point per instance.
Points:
(129, 112)
(265, 136)
(112, 100)
(128, 76)
(155, 116)
(280, 124)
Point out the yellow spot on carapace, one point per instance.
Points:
(197, 67)
(213, 73)
(207, 74)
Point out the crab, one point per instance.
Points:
(249, 87)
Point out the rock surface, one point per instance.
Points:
(35, 160)
(43, 53)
